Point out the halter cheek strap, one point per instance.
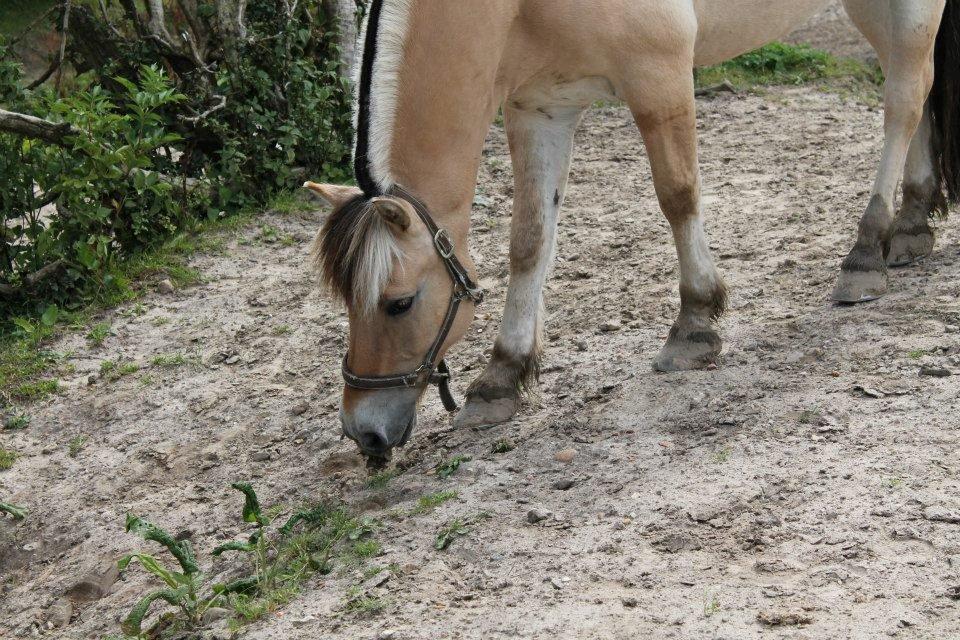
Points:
(430, 371)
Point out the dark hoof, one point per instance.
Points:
(478, 412)
(860, 286)
(687, 355)
(907, 248)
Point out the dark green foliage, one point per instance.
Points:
(163, 143)
(17, 513)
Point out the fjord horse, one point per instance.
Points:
(434, 74)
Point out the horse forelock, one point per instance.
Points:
(355, 254)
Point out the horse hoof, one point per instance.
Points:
(478, 412)
(907, 248)
(679, 355)
(859, 286)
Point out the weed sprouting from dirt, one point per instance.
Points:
(431, 501)
(279, 559)
(172, 360)
(76, 445)
(98, 333)
(456, 528)
(17, 513)
(360, 603)
(382, 479)
(711, 604)
(17, 422)
(113, 371)
(448, 467)
(7, 458)
(808, 416)
(503, 445)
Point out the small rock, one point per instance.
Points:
(610, 326)
(629, 602)
(556, 584)
(563, 485)
(954, 593)
(165, 287)
(234, 359)
(59, 613)
(387, 634)
(260, 456)
(566, 456)
(300, 408)
(935, 372)
(783, 619)
(94, 585)
(213, 614)
(677, 542)
(538, 515)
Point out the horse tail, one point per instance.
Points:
(945, 100)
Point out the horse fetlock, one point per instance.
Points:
(690, 345)
(911, 238)
(863, 275)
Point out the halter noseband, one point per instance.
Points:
(463, 288)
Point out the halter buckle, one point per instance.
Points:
(443, 243)
(420, 376)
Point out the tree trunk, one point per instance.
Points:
(345, 13)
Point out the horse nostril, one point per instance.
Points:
(373, 442)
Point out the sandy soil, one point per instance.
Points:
(808, 488)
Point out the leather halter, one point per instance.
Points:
(463, 288)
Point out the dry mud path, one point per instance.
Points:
(811, 482)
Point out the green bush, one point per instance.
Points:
(160, 142)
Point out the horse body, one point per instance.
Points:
(433, 76)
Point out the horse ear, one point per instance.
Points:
(392, 212)
(335, 195)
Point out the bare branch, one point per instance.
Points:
(222, 102)
(31, 280)
(64, 30)
(33, 127)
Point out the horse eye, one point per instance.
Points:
(399, 307)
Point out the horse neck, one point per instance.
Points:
(446, 95)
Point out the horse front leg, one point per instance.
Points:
(903, 33)
(541, 145)
(665, 111)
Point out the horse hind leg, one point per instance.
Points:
(903, 33)
(541, 146)
(912, 237)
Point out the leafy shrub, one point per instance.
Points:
(165, 132)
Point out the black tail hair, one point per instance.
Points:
(945, 100)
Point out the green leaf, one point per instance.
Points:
(134, 621)
(152, 565)
(251, 505)
(16, 512)
(50, 315)
(245, 547)
(183, 552)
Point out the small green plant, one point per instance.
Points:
(34, 391)
(711, 604)
(172, 360)
(382, 479)
(17, 422)
(808, 416)
(431, 501)
(160, 321)
(115, 370)
(721, 456)
(98, 333)
(916, 354)
(449, 467)
(17, 513)
(7, 458)
(503, 445)
(183, 589)
(282, 330)
(76, 445)
(360, 603)
(894, 483)
(456, 528)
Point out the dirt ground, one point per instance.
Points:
(807, 488)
